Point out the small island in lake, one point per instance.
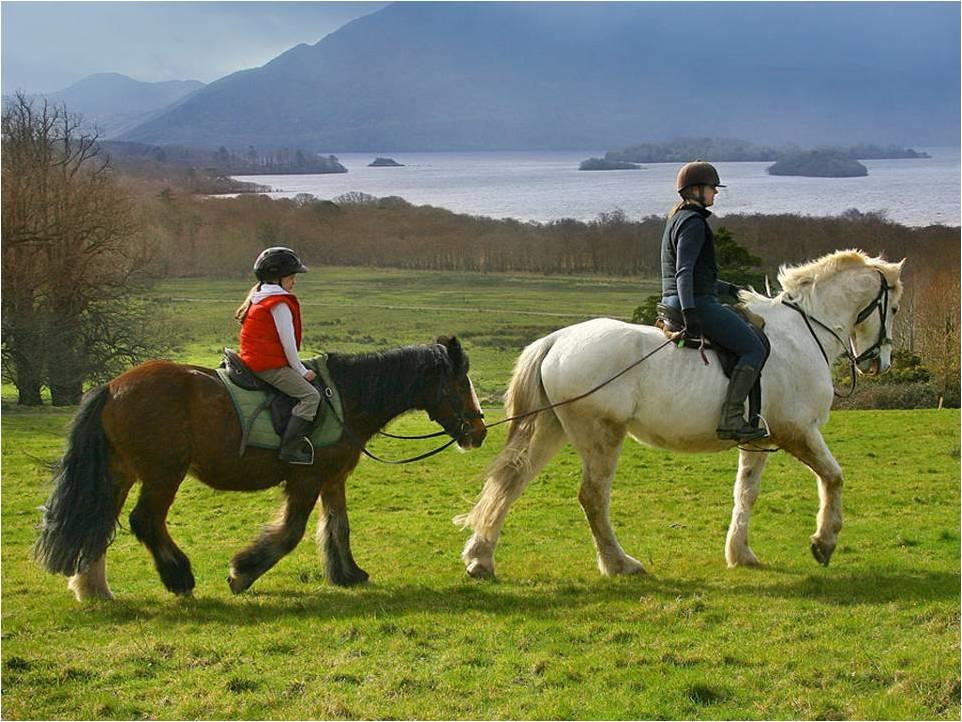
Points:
(682, 150)
(385, 163)
(818, 164)
(607, 164)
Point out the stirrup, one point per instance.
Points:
(742, 434)
(300, 460)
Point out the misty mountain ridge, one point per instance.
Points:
(116, 103)
(532, 76)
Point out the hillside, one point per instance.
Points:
(486, 76)
(117, 103)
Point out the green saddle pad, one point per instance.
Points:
(254, 413)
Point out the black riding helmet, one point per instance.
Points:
(276, 262)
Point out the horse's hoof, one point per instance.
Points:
(351, 578)
(237, 584)
(822, 552)
(477, 570)
(746, 560)
(358, 576)
(82, 593)
(621, 566)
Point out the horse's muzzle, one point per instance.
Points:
(473, 435)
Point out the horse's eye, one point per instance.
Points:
(895, 310)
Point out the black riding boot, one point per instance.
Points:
(295, 447)
(732, 424)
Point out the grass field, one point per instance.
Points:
(875, 635)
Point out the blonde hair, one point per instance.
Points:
(686, 200)
(241, 313)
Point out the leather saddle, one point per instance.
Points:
(280, 403)
(670, 321)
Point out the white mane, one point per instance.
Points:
(797, 281)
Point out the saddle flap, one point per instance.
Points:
(239, 374)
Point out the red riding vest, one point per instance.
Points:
(260, 344)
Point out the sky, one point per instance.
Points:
(48, 46)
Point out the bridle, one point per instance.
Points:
(880, 303)
(464, 417)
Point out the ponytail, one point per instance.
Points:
(241, 313)
(688, 199)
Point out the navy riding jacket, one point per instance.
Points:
(688, 265)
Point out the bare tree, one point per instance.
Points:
(72, 258)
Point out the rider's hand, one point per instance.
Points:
(310, 375)
(692, 322)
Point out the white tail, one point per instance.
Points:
(519, 460)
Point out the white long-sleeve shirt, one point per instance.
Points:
(284, 321)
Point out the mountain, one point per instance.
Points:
(116, 103)
(487, 76)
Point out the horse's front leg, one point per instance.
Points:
(276, 540)
(334, 536)
(813, 452)
(748, 483)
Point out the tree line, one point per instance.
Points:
(82, 241)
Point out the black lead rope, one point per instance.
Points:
(409, 438)
(586, 393)
(354, 440)
(357, 442)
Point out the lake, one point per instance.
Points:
(547, 185)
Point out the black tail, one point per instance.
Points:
(80, 517)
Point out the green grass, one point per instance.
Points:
(874, 636)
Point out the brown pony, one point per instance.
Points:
(161, 420)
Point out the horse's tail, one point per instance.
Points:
(510, 471)
(526, 392)
(80, 517)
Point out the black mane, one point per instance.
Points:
(388, 381)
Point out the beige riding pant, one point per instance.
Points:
(293, 384)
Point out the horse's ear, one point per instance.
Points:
(455, 352)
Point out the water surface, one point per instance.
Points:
(547, 185)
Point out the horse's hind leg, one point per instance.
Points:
(813, 452)
(599, 442)
(334, 536)
(748, 483)
(276, 540)
(91, 583)
(527, 451)
(148, 522)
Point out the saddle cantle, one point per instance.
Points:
(238, 373)
(671, 321)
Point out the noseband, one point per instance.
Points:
(464, 414)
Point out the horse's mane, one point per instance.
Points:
(796, 280)
(389, 376)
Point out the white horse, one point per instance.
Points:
(673, 401)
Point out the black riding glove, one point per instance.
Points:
(692, 322)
